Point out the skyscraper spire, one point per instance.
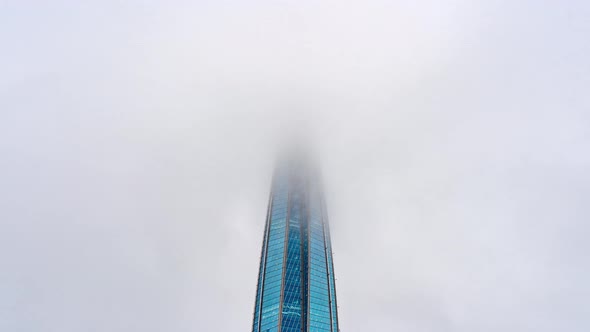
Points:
(296, 290)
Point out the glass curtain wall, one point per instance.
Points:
(296, 289)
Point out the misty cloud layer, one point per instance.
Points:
(138, 141)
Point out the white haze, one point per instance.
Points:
(137, 141)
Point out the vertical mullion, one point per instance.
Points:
(285, 250)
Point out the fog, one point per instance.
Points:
(138, 140)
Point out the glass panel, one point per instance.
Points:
(273, 265)
(291, 319)
(319, 302)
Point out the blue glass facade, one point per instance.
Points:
(296, 290)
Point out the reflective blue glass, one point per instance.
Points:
(291, 318)
(296, 290)
(331, 279)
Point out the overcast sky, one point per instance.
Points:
(137, 142)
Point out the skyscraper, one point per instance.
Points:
(296, 290)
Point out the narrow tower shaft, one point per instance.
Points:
(296, 290)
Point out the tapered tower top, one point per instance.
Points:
(296, 290)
